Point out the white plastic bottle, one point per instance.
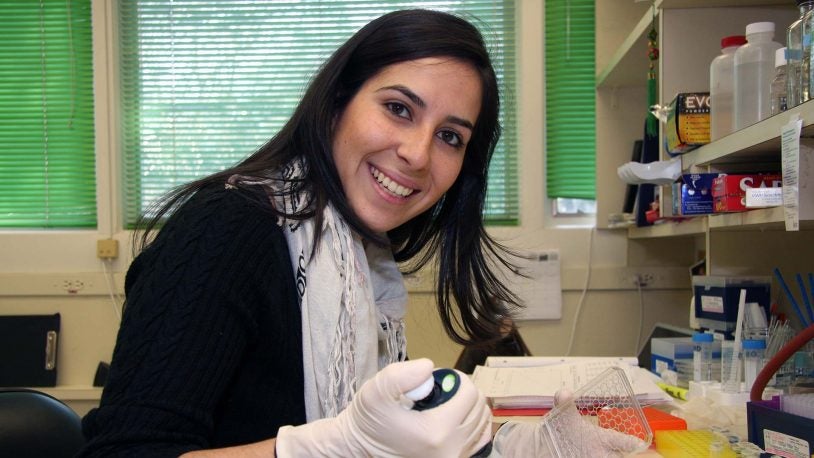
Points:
(754, 71)
(797, 80)
(779, 96)
(721, 87)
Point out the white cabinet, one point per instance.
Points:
(689, 35)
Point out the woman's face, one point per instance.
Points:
(399, 144)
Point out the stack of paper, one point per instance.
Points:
(535, 387)
(529, 361)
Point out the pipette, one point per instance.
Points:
(436, 390)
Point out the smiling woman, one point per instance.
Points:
(267, 312)
(399, 145)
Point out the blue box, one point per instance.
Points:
(693, 194)
(716, 298)
(675, 354)
(665, 351)
(779, 432)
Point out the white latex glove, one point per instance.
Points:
(379, 421)
(569, 436)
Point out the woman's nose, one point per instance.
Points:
(415, 149)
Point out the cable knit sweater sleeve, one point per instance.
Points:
(209, 352)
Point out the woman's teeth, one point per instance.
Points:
(390, 185)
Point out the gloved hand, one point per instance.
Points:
(378, 423)
(569, 435)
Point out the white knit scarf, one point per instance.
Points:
(352, 300)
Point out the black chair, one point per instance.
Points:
(35, 424)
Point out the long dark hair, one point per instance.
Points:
(471, 298)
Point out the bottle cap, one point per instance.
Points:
(733, 40)
(702, 337)
(780, 57)
(759, 27)
(754, 344)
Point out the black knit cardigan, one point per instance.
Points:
(209, 353)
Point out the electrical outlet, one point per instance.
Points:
(71, 286)
(645, 278)
(107, 249)
(638, 279)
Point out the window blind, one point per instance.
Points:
(570, 99)
(204, 84)
(47, 163)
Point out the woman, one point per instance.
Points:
(265, 317)
(270, 295)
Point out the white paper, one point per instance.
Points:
(790, 155)
(535, 387)
(534, 361)
(541, 291)
(764, 197)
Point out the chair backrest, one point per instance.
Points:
(35, 424)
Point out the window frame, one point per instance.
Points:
(35, 251)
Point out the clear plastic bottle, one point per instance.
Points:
(721, 83)
(797, 80)
(778, 88)
(702, 357)
(754, 352)
(805, 65)
(754, 71)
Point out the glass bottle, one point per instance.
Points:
(721, 82)
(754, 71)
(796, 79)
(777, 91)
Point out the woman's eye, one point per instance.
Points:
(398, 109)
(451, 138)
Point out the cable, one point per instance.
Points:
(636, 348)
(110, 289)
(772, 366)
(584, 292)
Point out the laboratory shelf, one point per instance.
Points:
(628, 68)
(756, 144)
(687, 227)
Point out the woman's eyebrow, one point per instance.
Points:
(407, 93)
(419, 102)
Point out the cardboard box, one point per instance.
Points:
(729, 191)
(693, 194)
(687, 125)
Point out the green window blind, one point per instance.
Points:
(204, 84)
(47, 162)
(570, 99)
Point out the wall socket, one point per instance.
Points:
(639, 278)
(72, 285)
(107, 249)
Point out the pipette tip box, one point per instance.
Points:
(717, 297)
